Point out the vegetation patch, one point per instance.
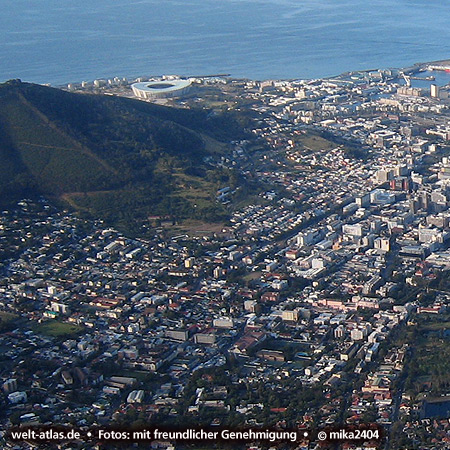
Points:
(7, 320)
(115, 158)
(429, 366)
(313, 142)
(193, 227)
(57, 329)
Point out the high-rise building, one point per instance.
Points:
(435, 91)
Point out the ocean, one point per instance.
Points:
(61, 41)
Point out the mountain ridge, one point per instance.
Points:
(107, 153)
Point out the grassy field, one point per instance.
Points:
(214, 146)
(57, 329)
(252, 276)
(194, 228)
(6, 319)
(314, 143)
(436, 326)
(198, 191)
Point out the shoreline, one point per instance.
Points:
(410, 70)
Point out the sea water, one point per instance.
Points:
(60, 41)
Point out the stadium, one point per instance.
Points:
(160, 89)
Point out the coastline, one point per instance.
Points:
(413, 69)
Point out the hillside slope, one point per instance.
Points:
(117, 158)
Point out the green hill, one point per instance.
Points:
(113, 157)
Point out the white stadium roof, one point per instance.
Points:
(159, 87)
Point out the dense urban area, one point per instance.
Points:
(321, 303)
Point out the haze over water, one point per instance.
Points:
(59, 41)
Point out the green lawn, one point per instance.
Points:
(57, 329)
(5, 319)
(433, 326)
(252, 276)
(315, 143)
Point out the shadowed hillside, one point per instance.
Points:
(117, 158)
